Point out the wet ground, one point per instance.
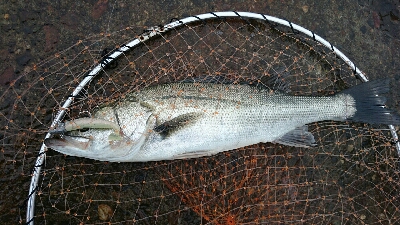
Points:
(368, 32)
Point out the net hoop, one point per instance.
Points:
(158, 30)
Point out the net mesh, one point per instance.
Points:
(351, 177)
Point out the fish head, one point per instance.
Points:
(95, 139)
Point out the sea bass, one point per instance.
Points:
(187, 120)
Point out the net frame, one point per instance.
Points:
(158, 30)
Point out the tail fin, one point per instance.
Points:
(370, 104)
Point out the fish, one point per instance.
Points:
(192, 119)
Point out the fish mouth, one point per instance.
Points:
(80, 143)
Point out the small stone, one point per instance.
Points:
(71, 20)
(363, 216)
(7, 76)
(350, 148)
(24, 59)
(105, 212)
(377, 19)
(99, 9)
(305, 8)
(51, 37)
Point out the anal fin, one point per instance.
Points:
(299, 137)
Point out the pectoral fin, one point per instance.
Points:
(299, 137)
(173, 125)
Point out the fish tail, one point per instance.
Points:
(370, 103)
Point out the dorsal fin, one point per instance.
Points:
(276, 80)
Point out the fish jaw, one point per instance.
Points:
(67, 143)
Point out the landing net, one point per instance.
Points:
(351, 177)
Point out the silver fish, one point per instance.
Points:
(187, 120)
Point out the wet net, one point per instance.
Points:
(351, 177)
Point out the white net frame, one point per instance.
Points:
(152, 32)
